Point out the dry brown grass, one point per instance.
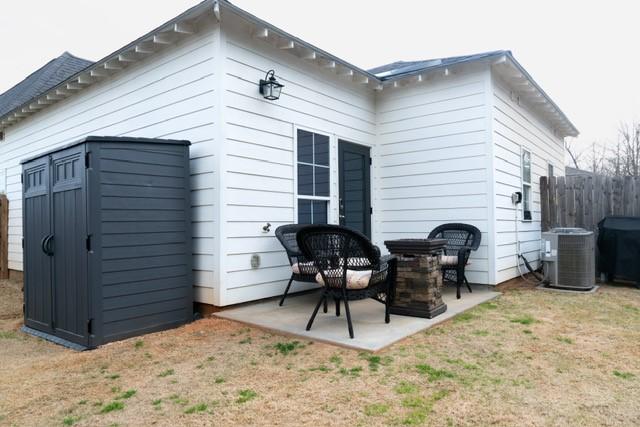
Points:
(528, 358)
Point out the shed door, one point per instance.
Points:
(355, 193)
(70, 289)
(37, 230)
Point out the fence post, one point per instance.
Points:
(636, 209)
(588, 206)
(608, 196)
(627, 196)
(4, 237)
(618, 206)
(544, 202)
(553, 207)
(562, 202)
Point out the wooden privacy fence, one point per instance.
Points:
(582, 201)
(4, 237)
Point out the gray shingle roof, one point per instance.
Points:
(399, 68)
(49, 75)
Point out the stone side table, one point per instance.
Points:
(418, 288)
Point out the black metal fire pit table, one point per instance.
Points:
(418, 290)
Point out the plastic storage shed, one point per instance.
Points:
(107, 240)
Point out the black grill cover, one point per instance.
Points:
(619, 245)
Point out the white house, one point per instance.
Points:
(449, 140)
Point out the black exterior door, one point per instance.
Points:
(354, 164)
(36, 223)
(69, 245)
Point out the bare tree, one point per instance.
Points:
(614, 161)
(598, 162)
(573, 153)
(628, 149)
(622, 159)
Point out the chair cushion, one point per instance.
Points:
(304, 268)
(356, 279)
(448, 260)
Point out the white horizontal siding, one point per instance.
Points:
(516, 127)
(259, 164)
(433, 164)
(169, 95)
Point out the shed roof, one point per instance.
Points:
(41, 80)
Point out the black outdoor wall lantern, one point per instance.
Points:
(269, 87)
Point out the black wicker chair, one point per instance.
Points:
(461, 240)
(302, 269)
(349, 267)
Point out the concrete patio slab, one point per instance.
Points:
(371, 333)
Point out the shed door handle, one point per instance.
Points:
(43, 242)
(46, 245)
(50, 246)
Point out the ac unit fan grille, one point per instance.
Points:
(576, 264)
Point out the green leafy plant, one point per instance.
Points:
(200, 407)
(8, 335)
(524, 320)
(375, 361)
(376, 409)
(70, 420)
(406, 388)
(433, 373)
(288, 347)
(175, 398)
(127, 394)
(623, 375)
(488, 305)
(246, 395)
(113, 406)
(166, 373)
(353, 372)
(464, 317)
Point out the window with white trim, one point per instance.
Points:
(313, 177)
(549, 170)
(526, 185)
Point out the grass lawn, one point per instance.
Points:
(528, 358)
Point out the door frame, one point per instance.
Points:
(366, 151)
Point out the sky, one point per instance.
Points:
(584, 54)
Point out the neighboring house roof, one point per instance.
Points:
(571, 171)
(377, 79)
(399, 68)
(41, 80)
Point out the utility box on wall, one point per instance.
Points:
(107, 240)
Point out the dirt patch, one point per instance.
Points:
(529, 358)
